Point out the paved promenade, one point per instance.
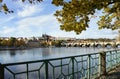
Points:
(115, 74)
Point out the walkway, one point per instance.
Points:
(115, 74)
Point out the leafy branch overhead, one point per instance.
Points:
(6, 10)
(75, 14)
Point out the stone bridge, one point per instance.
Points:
(91, 44)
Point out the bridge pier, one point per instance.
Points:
(92, 44)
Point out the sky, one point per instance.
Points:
(30, 20)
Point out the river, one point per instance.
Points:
(11, 56)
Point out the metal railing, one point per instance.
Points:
(88, 66)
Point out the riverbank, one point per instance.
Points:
(12, 48)
(29, 47)
(16, 48)
(21, 48)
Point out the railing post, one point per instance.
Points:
(27, 71)
(1, 71)
(89, 64)
(116, 58)
(46, 69)
(72, 67)
(102, 64)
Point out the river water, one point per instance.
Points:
(11, 56)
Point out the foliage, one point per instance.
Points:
(6, 10)
(12, 42)
(57, 43)
(4, 43)
(75, 15)
(99, 40)
(0, 42)
(44, 44)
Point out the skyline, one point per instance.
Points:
(34, 20)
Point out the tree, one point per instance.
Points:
(58, 43)
(6, 10)
(4, 43)
(75, 14)
(0, 42)
(12, 41)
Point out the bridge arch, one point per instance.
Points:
(118, 45)
(69, 45)
(98, 45)
(108, 45)
(93, 45)
(81, 45)
(75, 45)
(87, 45)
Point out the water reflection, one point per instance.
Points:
(10, 56)
(12, 53)
(46, 52)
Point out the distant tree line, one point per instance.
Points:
(15, 42)
(56, 43)
(12, 42)
(99, 40)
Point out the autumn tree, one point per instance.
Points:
(0, 42)
(75, 15)
(22, 42)
(4, 43)
(57, 43)
(11, 41)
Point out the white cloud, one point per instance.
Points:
(28, 10)
(7, 30)
(4, 20)
(38, 24)
(30, 26)
(38, 21)
(35, 26)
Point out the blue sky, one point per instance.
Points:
(34, 20)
